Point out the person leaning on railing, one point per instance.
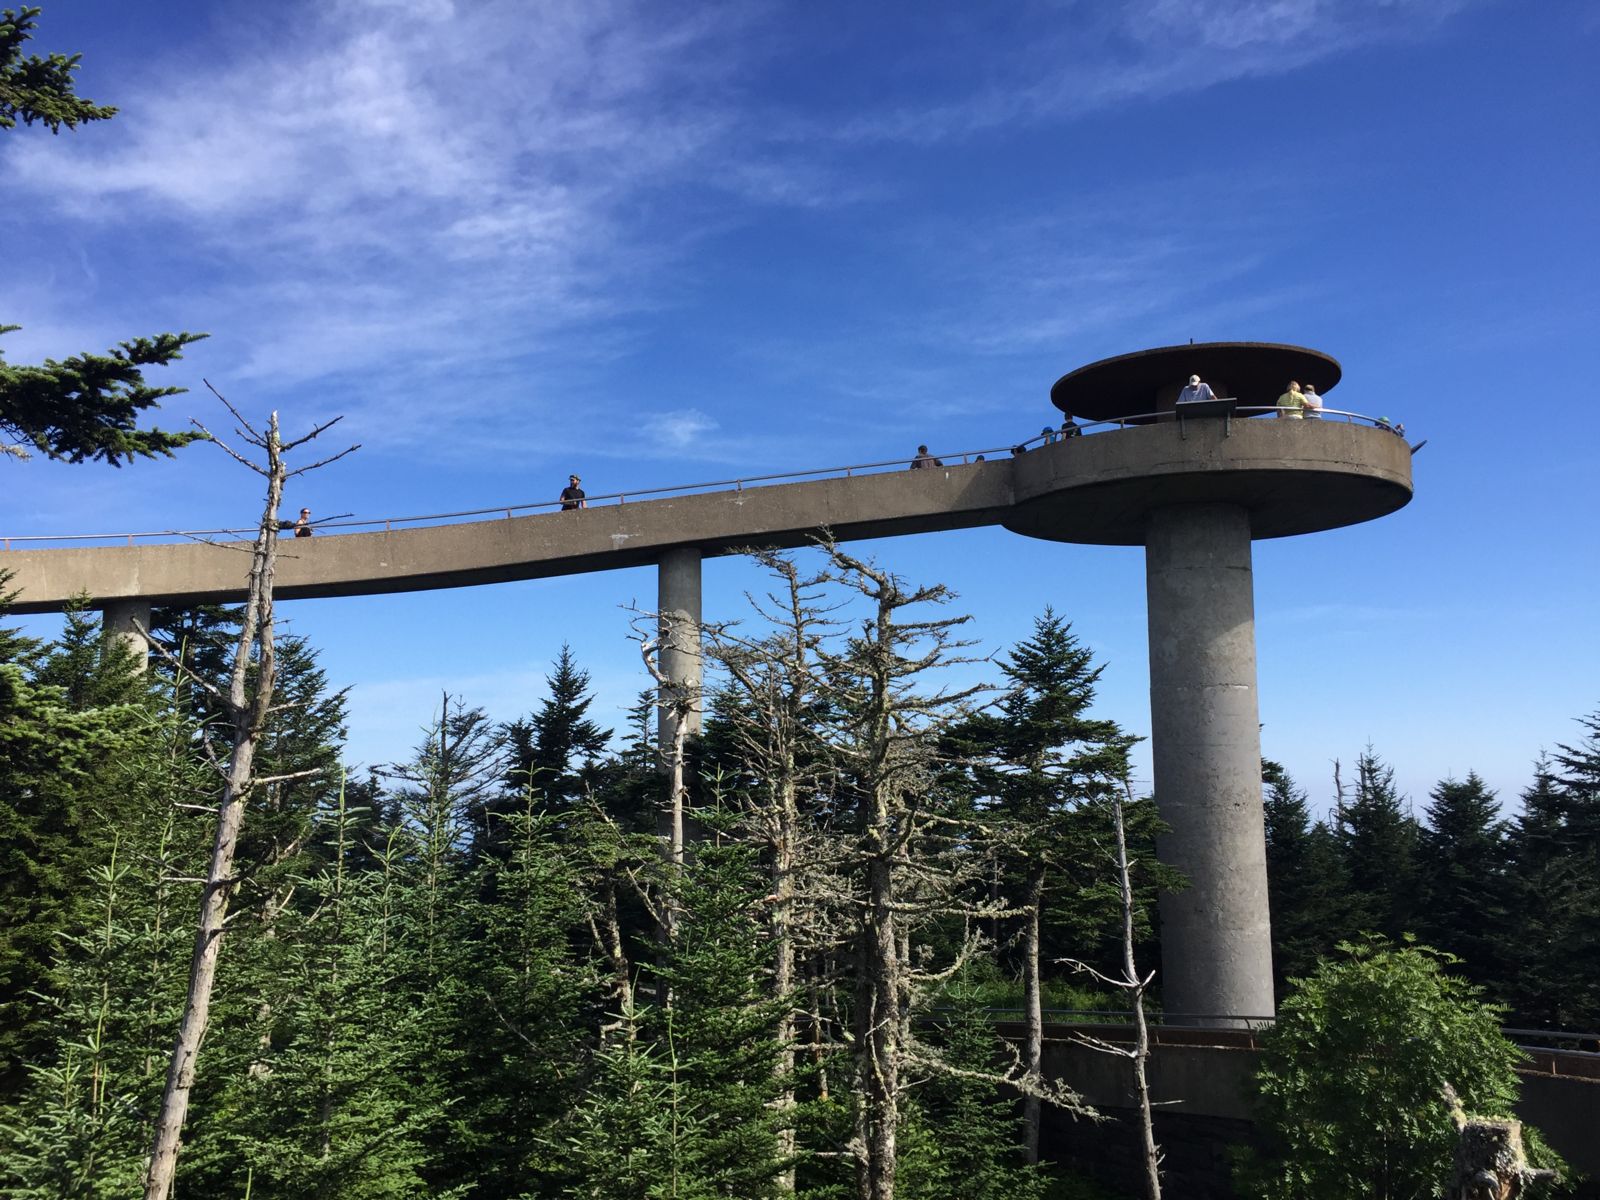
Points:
(1292, 404)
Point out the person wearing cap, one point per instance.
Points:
(1292, 404)
(1313, 403)
(302, 527)
(572, 495)
(1195, 392)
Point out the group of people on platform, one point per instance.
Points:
(1300, 403)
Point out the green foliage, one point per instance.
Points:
(1349, 1084)
(88, 406)
(35, 88)
(78, 1130)
(962, 1135)
(1308, 889)
(1463, 904)
(682, 1099)
(1554, 939)
(62, 761)
(1378, 841)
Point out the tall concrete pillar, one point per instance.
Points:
(678, 602)
(123, 620)
(1216, 943)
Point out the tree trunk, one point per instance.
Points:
(1141, 1043)
(879, 1033)
(248, 715)
(783, 981)
(1490, 1163)
(1033, 1052)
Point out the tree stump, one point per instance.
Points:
(1490, 1163)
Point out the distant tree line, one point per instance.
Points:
(1513, 895)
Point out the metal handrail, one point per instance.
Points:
(967, 457)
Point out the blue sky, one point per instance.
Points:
(659, 243)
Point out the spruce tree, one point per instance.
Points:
(1378, 841)
(60, 783)
(1306, 885)
(963, 1134)
(553, 752)
(39, 89)
(86, 406)
(1039, 761)
(1552, 946)
(1462, 902)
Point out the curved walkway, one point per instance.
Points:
(1306, 476)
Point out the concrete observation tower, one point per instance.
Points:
(1194, 490)
(1193, 487)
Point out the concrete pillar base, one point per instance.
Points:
(678, 603)
(124, 620)
(1206, 749)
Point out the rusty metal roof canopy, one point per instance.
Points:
(1256, 373)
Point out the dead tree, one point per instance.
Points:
(773, 695)
(247, 704)
(1135, 985)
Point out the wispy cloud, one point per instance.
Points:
(1082, 55)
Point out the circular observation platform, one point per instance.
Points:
(1134, 386)
(1290, 477)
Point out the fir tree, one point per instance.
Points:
(1307, 889)
(1378, 843)
(1462, 905)
(1552, 945)
(963, 1136)
(39, 89)
(1039, 761)
(554, 751)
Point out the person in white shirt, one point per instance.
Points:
(1195, 391)
(1313, 402)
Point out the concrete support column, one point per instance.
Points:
(1216, 943)
(123, 621)
(678, 604)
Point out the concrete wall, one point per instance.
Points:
(1206, 1093)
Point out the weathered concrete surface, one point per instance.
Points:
(678, 606)
(1292, 476)
(1205, 742)
(1213, 1081)
(532, 547)
(129, 622)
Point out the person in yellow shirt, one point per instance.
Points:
(1292, 405)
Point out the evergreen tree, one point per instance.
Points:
(963, 1136)
(35, 88)
(1306, 885)
(1038, 763)
(1462, 901)
(88, 405)
(681, 1101)
(1553, 946)
(78, 1129)
(1378, 841)
(58, 764)
(328, 1105)
(91, 669)
(554, 752)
